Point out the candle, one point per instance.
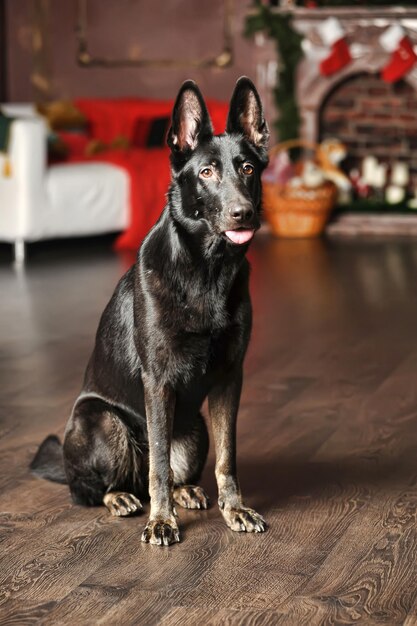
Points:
(369, 170)
(400, 174)
(394, 194)
(380, 176)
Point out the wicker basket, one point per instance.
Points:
(297, 211)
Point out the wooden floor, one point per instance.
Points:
(327, 451)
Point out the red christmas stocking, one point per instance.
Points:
(403, 57)
(333, 36)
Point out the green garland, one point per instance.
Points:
(278, 26)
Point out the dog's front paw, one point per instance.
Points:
(191, 497)
(244, 519)
(161, 532)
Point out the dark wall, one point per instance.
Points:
(147, 28)
(3, 58)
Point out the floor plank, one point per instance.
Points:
(327, 450)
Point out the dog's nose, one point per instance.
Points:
(241, 213)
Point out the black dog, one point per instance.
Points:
(175, 331)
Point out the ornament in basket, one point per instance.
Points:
(299, 203)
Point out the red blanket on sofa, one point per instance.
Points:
(148, 168)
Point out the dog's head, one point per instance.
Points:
(217, 178)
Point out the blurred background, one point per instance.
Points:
(51, 45)
(87, 88)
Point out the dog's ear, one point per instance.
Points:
(246, 115)
(191, 122)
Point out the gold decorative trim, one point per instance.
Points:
(87, 59)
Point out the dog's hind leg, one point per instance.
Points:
(188, 456)
(122, 504)
(103, 460)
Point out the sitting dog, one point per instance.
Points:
(175, 332)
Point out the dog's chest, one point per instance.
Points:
(193, 317)
(206, 315)
(200, 359)
(194, 353)
(202, 304)
(199, 347)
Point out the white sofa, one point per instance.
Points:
(40, 202)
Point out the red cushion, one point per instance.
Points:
(75, 141)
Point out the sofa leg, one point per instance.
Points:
(19, 251)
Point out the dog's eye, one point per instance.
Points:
(247, 169)
(206, 172)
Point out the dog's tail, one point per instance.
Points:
(49, 461)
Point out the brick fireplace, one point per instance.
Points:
(372, 117)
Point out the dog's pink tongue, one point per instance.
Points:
(239, 236)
